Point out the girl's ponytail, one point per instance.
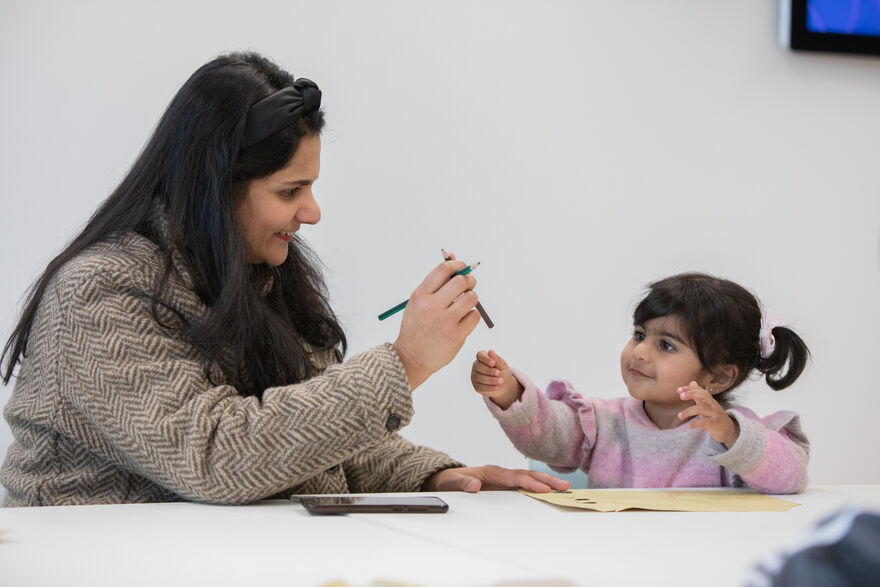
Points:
(789, 349)
(726, 326)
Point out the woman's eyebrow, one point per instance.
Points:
(302, 182)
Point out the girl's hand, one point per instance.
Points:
(491, 377)
(710, 414)
(472, 479)
(438, 318)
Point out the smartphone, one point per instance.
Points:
(355, 504)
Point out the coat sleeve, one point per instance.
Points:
(556, 427)
(393, 465)
(770, 455)
(136, 393)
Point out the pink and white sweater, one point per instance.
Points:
(617, 445)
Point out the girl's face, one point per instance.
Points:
(657, 360)
(275, 206)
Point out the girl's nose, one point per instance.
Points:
(640, 351)
(309, 212)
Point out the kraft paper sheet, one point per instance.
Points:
(615, 500)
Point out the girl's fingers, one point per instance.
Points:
(487, 391)
(486, 380)
(700, 396)
(485, 369)
(698, 423)
(486, 358)
(691, 412)
(499, 362)
(485, 374)
(692, 386)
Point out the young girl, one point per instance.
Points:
(695, 339)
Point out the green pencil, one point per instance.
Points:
(402, 305)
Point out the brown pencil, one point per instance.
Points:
(480, 309)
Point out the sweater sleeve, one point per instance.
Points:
(556, 427)
(394, 465)
(770, 455)
(138, 394)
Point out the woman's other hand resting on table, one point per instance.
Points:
(472, 479)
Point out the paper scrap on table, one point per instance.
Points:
(612, 500)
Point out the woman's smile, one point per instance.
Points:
(284, 197)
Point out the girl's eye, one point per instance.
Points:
(667, 346)
(638, 335)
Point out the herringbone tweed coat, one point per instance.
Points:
(111, 407)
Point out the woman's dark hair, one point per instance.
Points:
(723, 322)
(193, 172)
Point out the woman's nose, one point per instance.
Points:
(309, 212)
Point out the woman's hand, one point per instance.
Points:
(491, 377)
(472, 479)
(438, 318)
(710, 414)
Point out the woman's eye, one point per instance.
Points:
(292, 192)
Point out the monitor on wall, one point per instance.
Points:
(840, 26)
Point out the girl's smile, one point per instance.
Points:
(658, 360)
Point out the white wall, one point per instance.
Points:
(578, 149)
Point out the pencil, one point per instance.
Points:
(480, 309)
(392, 311)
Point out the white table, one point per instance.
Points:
(486, 539)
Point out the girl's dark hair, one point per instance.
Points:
(723, 322)
(193, 171)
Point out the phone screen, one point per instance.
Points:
(350, 504)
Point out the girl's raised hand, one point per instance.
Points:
(491, 377)
(710, 414)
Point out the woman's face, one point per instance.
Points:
(275, 206)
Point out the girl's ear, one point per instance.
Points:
(722, 378)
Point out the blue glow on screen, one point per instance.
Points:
(844, 17)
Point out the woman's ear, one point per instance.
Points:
(722, 379)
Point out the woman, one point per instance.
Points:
(182, 345)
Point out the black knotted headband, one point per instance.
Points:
(280, 110)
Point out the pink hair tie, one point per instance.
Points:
(769, 321)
